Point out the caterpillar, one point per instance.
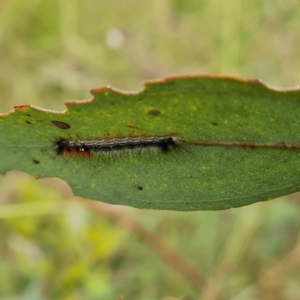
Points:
(89, 147)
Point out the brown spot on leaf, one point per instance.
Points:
(131, 126)
(154, 112)
(60, 124)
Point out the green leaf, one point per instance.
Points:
(238, 144)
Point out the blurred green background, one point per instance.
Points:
(53, 248)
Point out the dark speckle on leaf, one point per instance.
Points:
(131, 126)
(61, 125)
(214, 123)
(140, 188)
(28, 122)
(154, 112)
(37, 162)
(171, 82)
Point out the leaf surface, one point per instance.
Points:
(238, 144)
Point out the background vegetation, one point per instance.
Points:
(52, 51)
